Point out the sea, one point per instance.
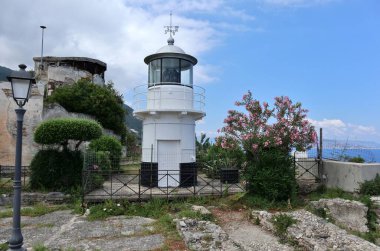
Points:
(370, 155)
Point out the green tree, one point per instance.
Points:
(104, 103)
(109, 144)
(61, 168)
(59, 131)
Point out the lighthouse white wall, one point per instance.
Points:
(170, 97)
(169, 126)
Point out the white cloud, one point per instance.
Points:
(119, 32)
(293, 3)
(337, 129)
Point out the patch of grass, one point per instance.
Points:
(4, 247)
(370, 187)
(188, 213)
(40, 247)
(331, 193)
(281, 222)
(33, 211)
(130, 168)
(257, 202)
(108, 208)
(166, 226)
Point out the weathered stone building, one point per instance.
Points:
(56, 71)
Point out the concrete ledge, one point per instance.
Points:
(348, 175)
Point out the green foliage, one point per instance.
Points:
(329, 193)
(36, 210)
(111, 145)
(59, 131)
(216, 158)
(281, 222)
(4, 247)
(271, 176)
(188, 213)
(370, 187)
(104, 103)
(357, 159)
(52, 169)
(40, 247)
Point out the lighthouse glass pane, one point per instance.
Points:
(154, 72)
(186, 73)
(170, 71)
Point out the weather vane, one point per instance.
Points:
(171, 29)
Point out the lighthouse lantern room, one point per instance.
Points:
(169, 105)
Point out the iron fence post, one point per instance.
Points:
(110, 174)
(194, 179)
(139, 173)
(221, 184)
(167, 185)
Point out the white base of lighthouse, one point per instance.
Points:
(168, 142)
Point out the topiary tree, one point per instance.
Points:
(104, 103)
(111, 145)
(60, 131)
(54, 169)
(61, 168)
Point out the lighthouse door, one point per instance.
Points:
(168, 163)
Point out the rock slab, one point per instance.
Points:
(351, 215)
(61, 230)
(315, 233)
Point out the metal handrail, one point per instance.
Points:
(141, 99)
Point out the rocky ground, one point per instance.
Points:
(232, 230)
(62, 230)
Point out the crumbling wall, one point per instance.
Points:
(32, 118)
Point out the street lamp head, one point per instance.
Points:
(21, 82)
(43, 27)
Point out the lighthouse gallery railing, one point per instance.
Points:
(157, 97)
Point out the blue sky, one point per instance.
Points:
(326, 56)
(323, 53)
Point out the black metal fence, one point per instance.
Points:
(7, 175)
(138, 185)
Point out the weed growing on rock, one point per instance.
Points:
(281, 222)
(36, 210)
(4, 247)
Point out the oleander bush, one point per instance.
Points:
(267, 136)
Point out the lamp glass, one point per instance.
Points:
(20, 88)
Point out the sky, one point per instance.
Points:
(322, 53)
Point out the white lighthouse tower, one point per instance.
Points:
(169, 105)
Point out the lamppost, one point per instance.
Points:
(21, 82)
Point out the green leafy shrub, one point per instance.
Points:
(111, 145)
(61, 130)
(281, 222)
(357, 159)
(370, 187)
(53, 169)
(216, 158)
(104, 103)
(271, 176)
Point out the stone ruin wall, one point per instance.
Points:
(32, 118)
(51, 78)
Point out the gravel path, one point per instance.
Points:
(244, 234)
